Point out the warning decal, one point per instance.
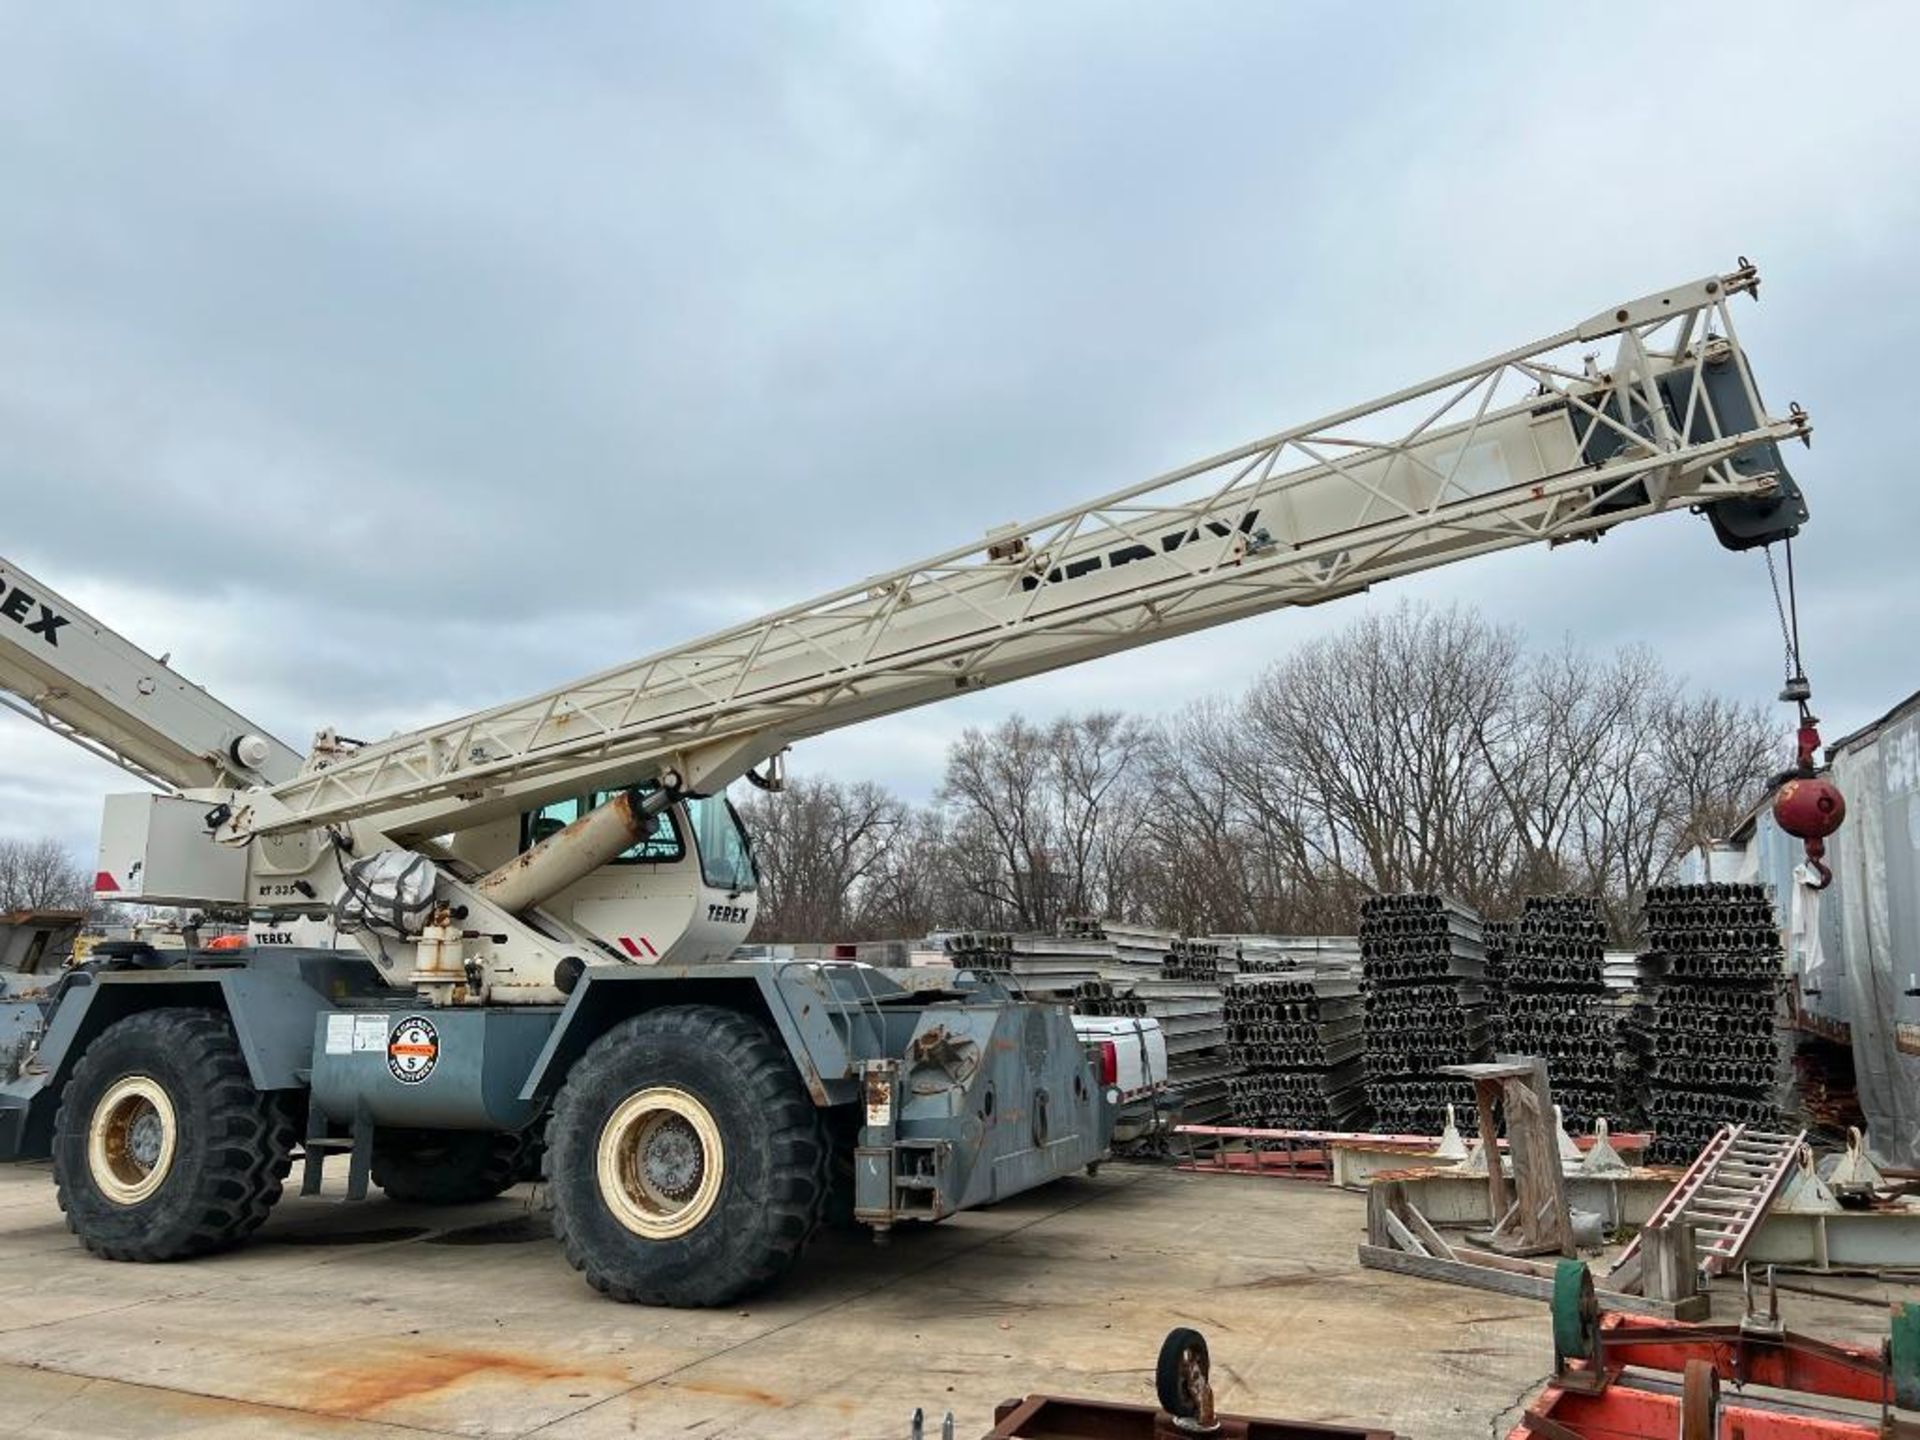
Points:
(413, 1049)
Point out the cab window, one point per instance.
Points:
(726, 860)
(663, 841)
(662, 845)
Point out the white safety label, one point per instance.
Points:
(370, 1032)
(339, 1034)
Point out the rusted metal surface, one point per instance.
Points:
(954, 1057)
(1623, 1413)
(1317, 1154)
(1588, 1399)
(578, 850)
(1784, 1362)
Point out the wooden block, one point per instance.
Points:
(1533, 1284)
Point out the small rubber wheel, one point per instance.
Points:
(686, 1164)
(446, 1167)
(1699, 1401)
(162, 1148)
(1180, 1353)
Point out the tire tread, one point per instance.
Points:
(252, 1134)
(797, 1184)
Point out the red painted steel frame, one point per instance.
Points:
(1791, 1362)
(1621, 1413)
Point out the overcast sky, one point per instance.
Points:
(386, 361)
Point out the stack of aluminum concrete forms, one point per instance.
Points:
(978, 949)
(1556, 1003)
(1138, 950)
(1099, 997)
(1295, 1040)
(1423, 972)
(1111, 969)
(1496, 935)
(1042, 966)
(1057, 964)
(1195, 959)
(1266, 954)
(1704, 1031)
(1187, 1000)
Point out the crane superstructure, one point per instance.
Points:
(551, 888)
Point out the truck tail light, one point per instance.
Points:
(1109, 1063)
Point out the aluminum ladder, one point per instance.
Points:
(1725, 1194)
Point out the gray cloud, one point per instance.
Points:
(382, 362)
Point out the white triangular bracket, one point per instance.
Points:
(1569, 1152)
(1805, 1193)
(1602, 1158)
(1855, 1171)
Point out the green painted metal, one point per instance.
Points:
(1903, 1356)
(1576, 1314)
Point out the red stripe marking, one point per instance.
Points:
(650, 950)
(103, 881)
(628, 946)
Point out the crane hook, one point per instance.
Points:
(1806, 805)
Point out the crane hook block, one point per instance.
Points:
(1810, 808)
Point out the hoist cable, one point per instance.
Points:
(1788, 610)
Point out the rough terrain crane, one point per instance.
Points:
(538, 904)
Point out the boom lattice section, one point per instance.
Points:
(1540, 443)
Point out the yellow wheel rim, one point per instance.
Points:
(660, 1163)
(131, 1140)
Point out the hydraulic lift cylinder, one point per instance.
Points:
(578, 850)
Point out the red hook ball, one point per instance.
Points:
(1810, 809)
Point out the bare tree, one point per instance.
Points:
(998, 784)
(817, 842)
(1097, 784)
(1414, 750)
(914, 888)
(40, 874)
(1375, 735)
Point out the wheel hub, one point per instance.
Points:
(145, 1139)
(660, 1162)
(673, 1161)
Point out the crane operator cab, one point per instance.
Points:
(684, 895)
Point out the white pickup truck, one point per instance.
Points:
(1130, 1057)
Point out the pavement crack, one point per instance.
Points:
(1499, 1426)
(96, 1314)
(87, 1382)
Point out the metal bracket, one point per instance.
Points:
(321, 1142)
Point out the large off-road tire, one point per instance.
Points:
(445, 1167)
(685, 1163)
(162, 1148)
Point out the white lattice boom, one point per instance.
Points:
(1545, 442)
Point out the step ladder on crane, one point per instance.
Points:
(1724, 1196)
